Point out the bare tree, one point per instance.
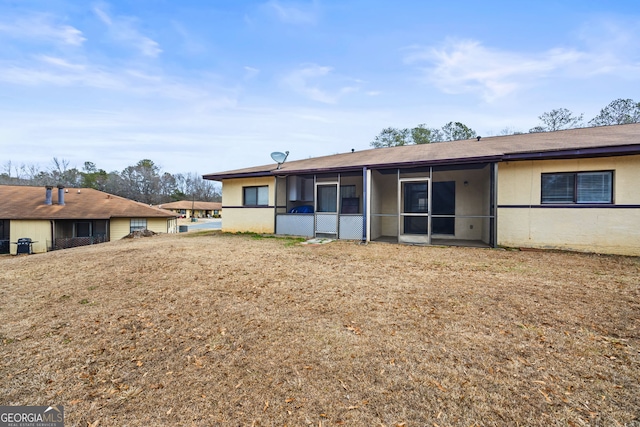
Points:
(558, 119)
(618, 112)
(60, 174)
(192, 186)
(508, 130)
(144, 181)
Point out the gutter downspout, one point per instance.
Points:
(493, 212)
(53, 235)
(364, 204)
(275, 203)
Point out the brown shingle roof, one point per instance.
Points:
(24, 202)
(603, 140)
(188, 204)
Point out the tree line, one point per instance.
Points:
(144, 182)
(618, 112)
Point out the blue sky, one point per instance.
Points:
(209, 86)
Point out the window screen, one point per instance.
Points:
(577, 187)
(594, 187)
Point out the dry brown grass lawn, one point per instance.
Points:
(211, 329)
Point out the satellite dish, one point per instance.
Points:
(279, 157)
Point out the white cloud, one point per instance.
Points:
(191, 43)
(298, 14)
(42, 27)
(103, 16)
(49, 71)
(60, 62)
(305, 81)
(123, 30)
(468, 66)
(614, 47)
(250, 72)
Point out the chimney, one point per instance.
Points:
(47, 195)
(61, 194)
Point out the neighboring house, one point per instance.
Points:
(58, 218)
(575, 189)
(194, 209)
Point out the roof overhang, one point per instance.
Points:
(619, 150)
(220, 177)
(353, 168)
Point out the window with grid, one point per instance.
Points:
(255, 196)
(577, 187)
(137, 224)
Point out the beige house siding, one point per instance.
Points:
(38, 230)
(120, 227)
(158, 225)
(232, 189)
(524, 222)
(238, 218)
(259, 220)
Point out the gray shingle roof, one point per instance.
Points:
(581, 142)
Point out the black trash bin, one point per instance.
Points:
(24, 245)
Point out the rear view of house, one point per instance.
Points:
(574, 189)
(59, 218)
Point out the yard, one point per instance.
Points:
(208, 329)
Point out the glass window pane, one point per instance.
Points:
(256, 196)
(327, 198)
(558, 188)
(594, 187)
(262, 196)
(250, 197)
